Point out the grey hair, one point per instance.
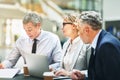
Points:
(92, 18)
(32, 17)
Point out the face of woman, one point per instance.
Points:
(67, 29)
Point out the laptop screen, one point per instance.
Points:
(37, 64)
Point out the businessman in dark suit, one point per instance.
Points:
(104, 62)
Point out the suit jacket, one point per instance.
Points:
(80, 58)
(106, 65)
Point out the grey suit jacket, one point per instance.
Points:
(81, 57)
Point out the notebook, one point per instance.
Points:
(37, 64)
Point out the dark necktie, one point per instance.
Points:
(34, 46)
(91, 65)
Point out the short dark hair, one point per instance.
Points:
(92, 18)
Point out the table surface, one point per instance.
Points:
(22, 77)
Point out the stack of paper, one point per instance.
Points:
(8, 73)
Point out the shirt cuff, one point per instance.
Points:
(7, 64)
(85, 72)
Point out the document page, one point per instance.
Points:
(56, 77)
(8, 73)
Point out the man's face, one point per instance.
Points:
(83, 32)
(31, 30)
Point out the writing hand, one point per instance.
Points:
(1, 66)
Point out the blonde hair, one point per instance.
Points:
(70, 17)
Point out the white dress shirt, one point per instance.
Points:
(70, 53)
(94, 42)
(47, 44)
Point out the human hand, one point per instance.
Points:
(1, 66)
(77, 75)
(62, 72)
(51, 69)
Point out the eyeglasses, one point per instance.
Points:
(66, 23)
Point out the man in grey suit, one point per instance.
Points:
(46, 42)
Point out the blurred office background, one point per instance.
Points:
(52, 11)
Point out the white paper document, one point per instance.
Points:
(56, 77)
(8, 73)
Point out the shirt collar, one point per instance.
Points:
(75, 40)
(94, 42)
(39, 37)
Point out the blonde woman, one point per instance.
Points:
(74, 50)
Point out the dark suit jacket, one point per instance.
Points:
(106, 65)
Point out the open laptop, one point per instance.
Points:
(37, 64)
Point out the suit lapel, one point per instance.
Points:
(99, 39)
(64, 52)
(77, 53)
